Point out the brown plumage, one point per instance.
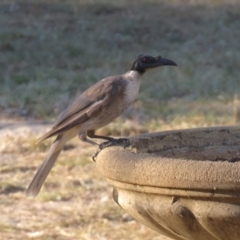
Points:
(90, 104)
(96, 107)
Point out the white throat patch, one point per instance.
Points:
(133, 85)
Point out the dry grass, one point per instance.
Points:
(75, 203)
(49, 49)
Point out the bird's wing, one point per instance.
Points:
(87, 105)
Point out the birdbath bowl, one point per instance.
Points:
(184, 184)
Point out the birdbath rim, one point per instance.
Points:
(205, 159)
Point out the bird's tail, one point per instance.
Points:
(45, 168)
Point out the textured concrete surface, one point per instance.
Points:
(184, 184)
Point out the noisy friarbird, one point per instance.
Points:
(98, 106)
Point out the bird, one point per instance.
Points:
(96, 107)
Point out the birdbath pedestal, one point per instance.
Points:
(184, 184)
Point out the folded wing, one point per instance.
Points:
(87, 105)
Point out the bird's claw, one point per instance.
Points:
(115, 142)
(95, 155)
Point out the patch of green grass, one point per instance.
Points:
(55, 50)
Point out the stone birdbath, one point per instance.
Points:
(184, 184)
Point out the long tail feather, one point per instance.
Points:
(45, 168)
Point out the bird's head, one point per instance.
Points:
(144, 63)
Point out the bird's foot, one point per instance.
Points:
(115, 142)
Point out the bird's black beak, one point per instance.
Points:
(165, 62)
(145, 63)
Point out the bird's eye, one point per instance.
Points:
(145, 60)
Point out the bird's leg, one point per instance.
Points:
(111, 141)
(91, 134)
(83, 137)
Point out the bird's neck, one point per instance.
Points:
(133, 79)
(134, 75)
